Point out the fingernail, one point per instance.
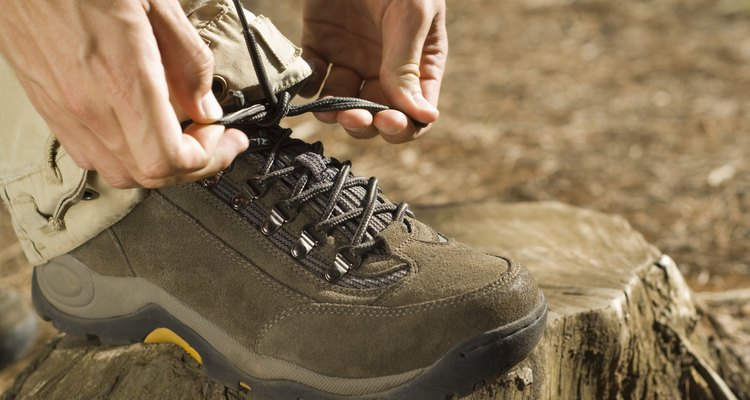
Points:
(210, 107)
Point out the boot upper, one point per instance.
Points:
(416, 292)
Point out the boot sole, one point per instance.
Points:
(65, 287)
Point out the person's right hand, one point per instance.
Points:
(101, 73)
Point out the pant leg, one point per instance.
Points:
(57, 206)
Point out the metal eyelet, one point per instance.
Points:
(280, 214)
(219, 87)
(90, 194)
(342, 265)
(211, 181)
(307, 241)
(240, 201)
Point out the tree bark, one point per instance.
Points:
(622, 325)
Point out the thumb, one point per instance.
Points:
(404, 35)
(188, 62)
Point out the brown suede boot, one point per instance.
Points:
(290, 277)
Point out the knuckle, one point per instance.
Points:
(79, 159)
(203, 60)
(77, 106)
(156, 171)
(120, 184)
(404, 76)
(433, 70)
(203, 55)
(153, 183)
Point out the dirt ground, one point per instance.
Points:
(637, 108)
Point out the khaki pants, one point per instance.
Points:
(57, 206)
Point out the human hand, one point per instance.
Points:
(101, 73)
(388, 51)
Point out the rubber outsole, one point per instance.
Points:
(468, 366)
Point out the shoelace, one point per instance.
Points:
(265, 117)
(307, 187)
(279, 106)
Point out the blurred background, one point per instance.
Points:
(636, 108)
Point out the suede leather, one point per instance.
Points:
(190, 242)
(251, 243)
(105, 255)
(366, 341)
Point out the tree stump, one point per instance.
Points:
(622, 324)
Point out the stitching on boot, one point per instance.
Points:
(400, 312)
(300, 271)
(113, 235)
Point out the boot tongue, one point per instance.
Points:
(316, 164)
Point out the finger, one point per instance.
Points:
(224, 154)
(342, 82)
(86, 127)
(434, 58)
(320, 71)
(400, 72)
(357, 123)
(187, 60)
(218, 142)
(432, 77)
(108, 166)
(393, 125)
(206, 137)
(152, 133)
(224, 147)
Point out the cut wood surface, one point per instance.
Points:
(622, 325)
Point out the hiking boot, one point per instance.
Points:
(290, 277)
(17, 327)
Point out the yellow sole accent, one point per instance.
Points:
(246, 386)
(164, 335)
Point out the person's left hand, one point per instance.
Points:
(388, 51)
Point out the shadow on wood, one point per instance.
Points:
(622, 324)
